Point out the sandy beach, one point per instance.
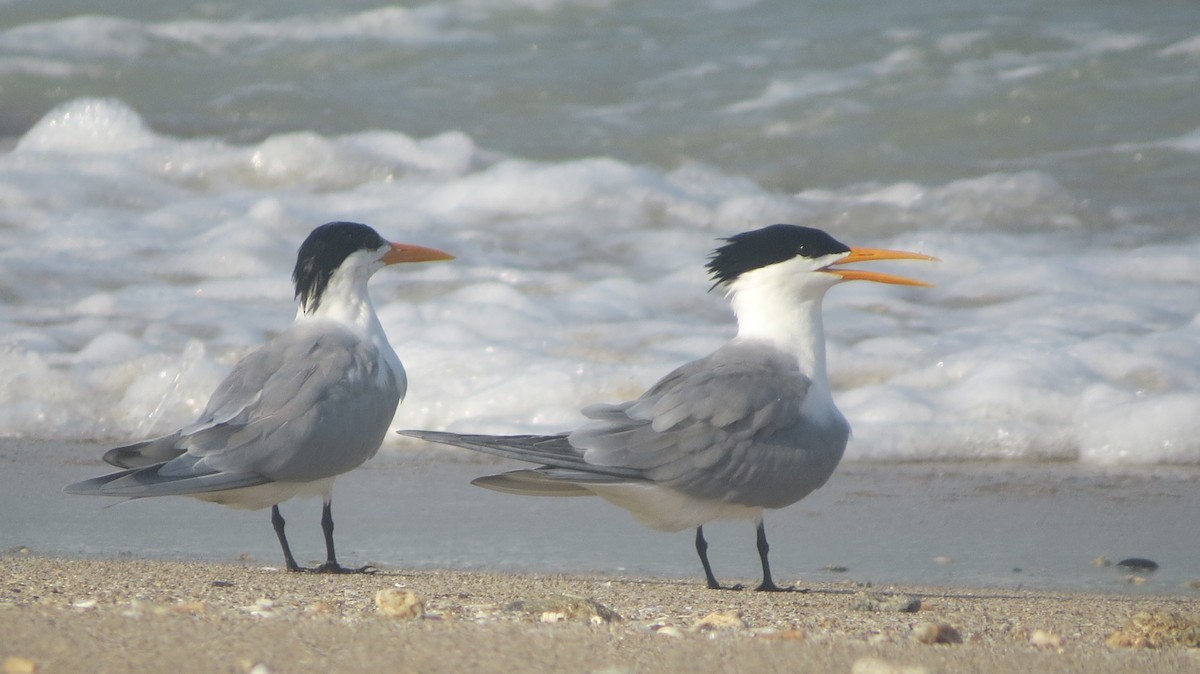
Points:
(71, 615)
(507, 584)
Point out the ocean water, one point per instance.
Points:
(161, 162)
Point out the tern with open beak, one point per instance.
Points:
(309, 405)
(751, 426)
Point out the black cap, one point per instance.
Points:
(767, 246)
(325, 249)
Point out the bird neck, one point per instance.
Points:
(345, 300)
(787, 317)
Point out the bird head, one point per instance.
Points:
(802, 258)
(348, 248)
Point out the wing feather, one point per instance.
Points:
(313, 403)
(726, 427)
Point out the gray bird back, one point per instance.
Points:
(726, 427)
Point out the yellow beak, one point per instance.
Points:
(870, 254)
(403, 252)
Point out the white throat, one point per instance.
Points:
(345, 299)
(782, 305)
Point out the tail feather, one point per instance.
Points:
(95, 486)
(143, 454)
(529, 483)
(146, 481)
(550, 450)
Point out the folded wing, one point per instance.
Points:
(727, 427)
(311, 404)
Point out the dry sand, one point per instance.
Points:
(68, 615)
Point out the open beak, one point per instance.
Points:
(868, 254)
(403, 252)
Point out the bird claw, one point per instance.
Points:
(772, 587)
(334, 567)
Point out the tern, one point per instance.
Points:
(751, 426)
(314, 402)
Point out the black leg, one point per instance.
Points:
(768, 585)
(278, 523)
(327, 529)
(331, 564)
(702, 550)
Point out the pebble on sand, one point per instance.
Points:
(881, 666)
(557, 608)
(401, 604)
(1138, 564)
(1044, 639)
(782, 635)
(262, 608)
(720, 620)
(15, 664)
(896, 603)
(138, 608)
(1158, 629)
(936, 633)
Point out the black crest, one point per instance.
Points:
(767, 246)
(325, 249)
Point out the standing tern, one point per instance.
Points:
(309, 405)
(750, 426)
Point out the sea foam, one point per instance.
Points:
(138, 267)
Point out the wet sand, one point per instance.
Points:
(71, 615)
(1001, 525)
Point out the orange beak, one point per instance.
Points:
(403, 252)
(868, 254)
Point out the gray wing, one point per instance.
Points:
(241, 390)
(313, 403)
(726, 427)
